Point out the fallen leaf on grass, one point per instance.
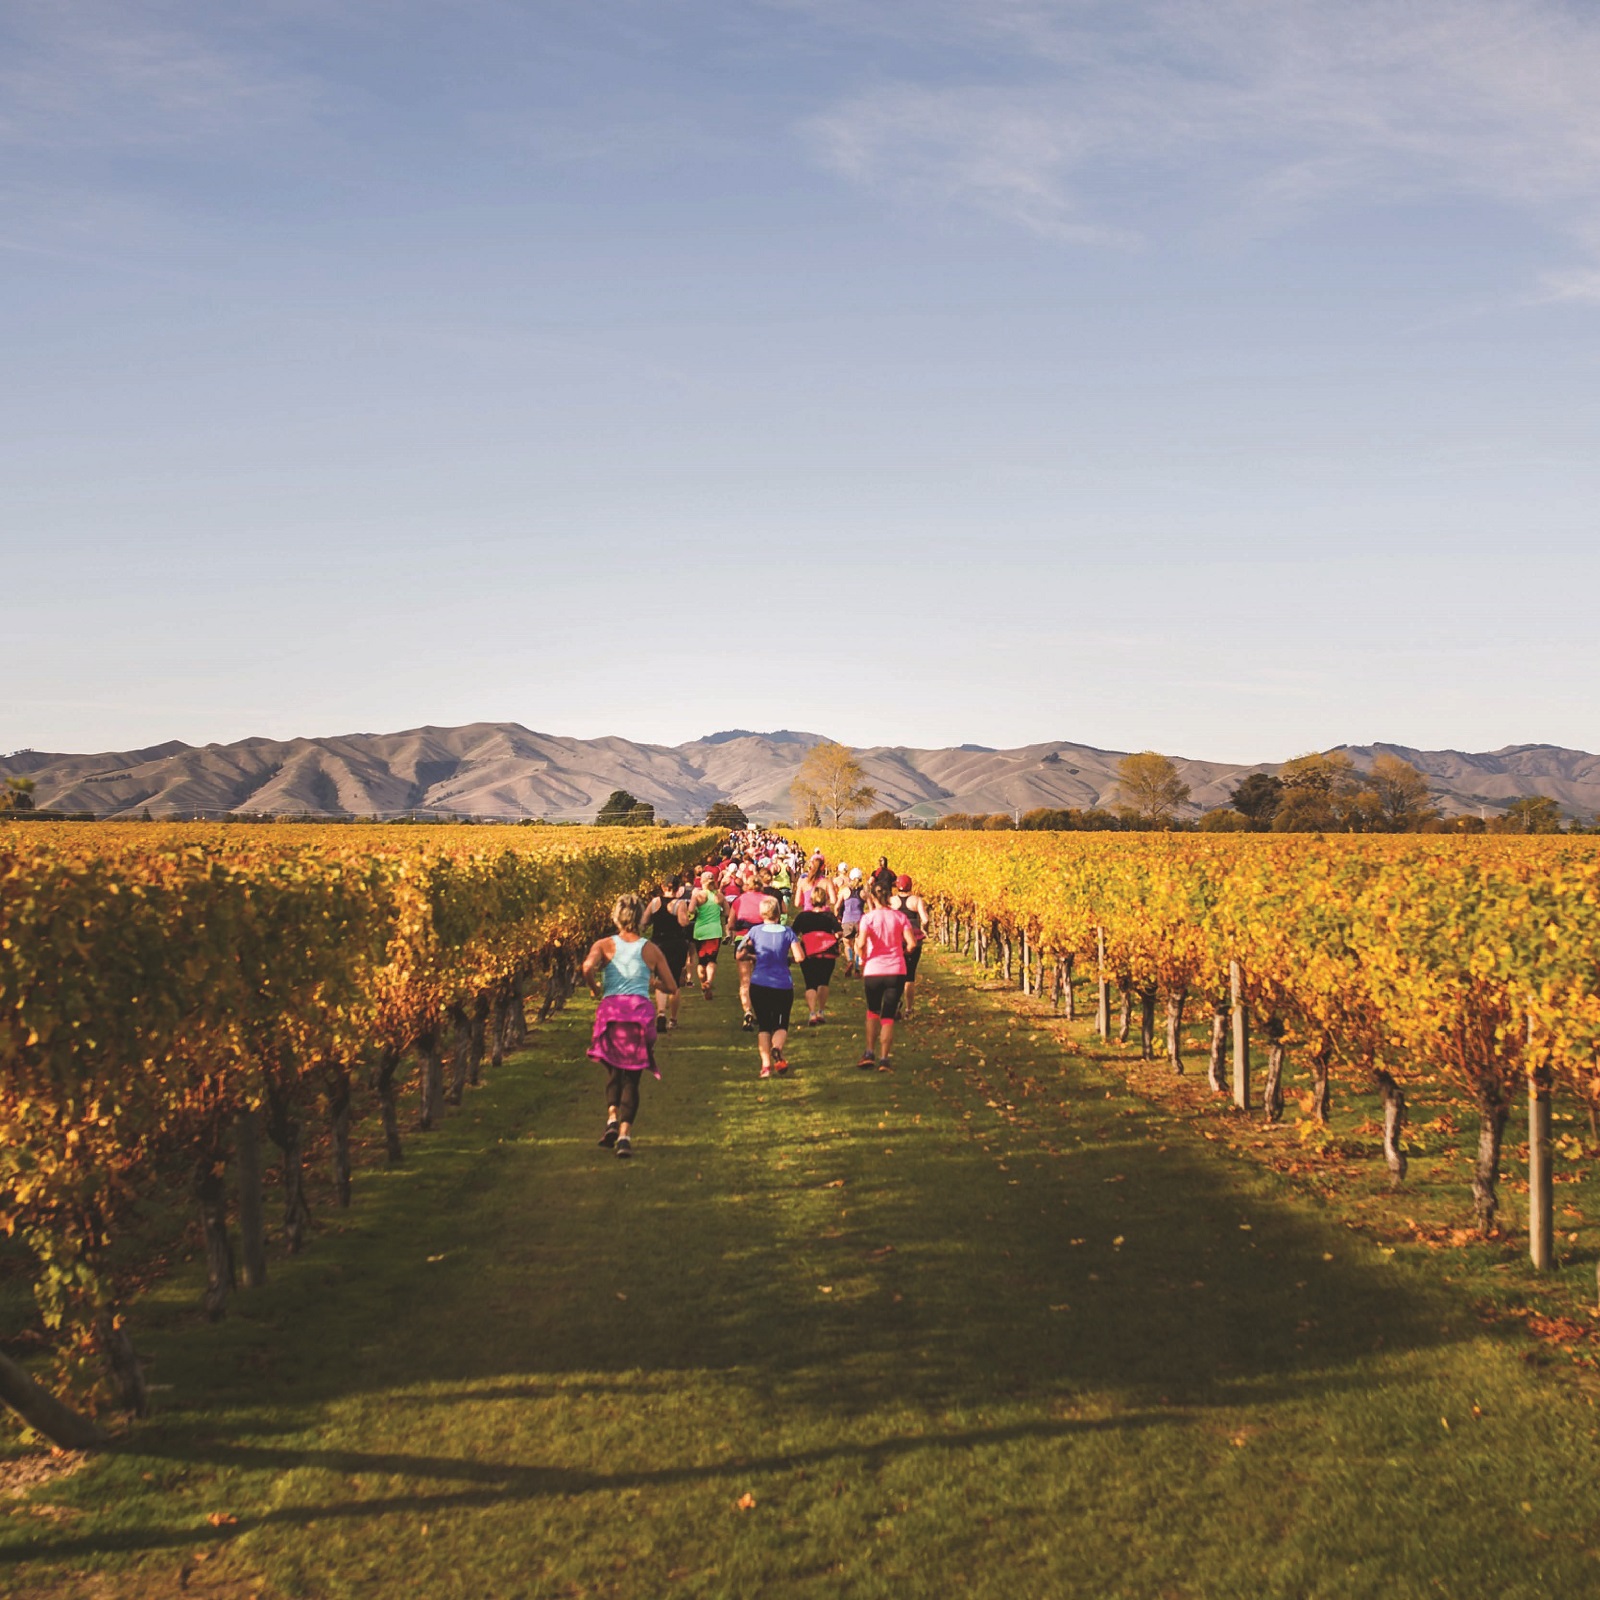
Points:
(745, 1502)
(825, 1288)
(223, 1519)
(437, 1258)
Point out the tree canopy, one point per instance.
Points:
(830, 783)
(1150, 790)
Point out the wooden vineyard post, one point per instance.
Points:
(252, 1217)
(1541, 1198)
(1102, 1015)
(1241, 1036)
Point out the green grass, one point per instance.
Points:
(1054, 1346)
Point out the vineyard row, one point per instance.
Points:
(1463, 963)
(167, 993)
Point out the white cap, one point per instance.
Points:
(855, 874)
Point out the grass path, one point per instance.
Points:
(945, 1345)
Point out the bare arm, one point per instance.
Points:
(600, 953)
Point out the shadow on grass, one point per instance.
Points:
(828, 1247)
(510, 1484)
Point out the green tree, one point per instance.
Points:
(617, 811)
(884, 819)
(17, 795)
(1257, 797)
(725, 814)
(1532, 813)
(831, 780)
(1150, 790)
(1224, 820)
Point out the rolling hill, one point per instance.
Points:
(503, 770)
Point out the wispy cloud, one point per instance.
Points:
(90, 75)
(1086, 119)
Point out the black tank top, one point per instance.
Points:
(905, 909)
(665, 928)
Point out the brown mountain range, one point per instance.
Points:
(503, 770)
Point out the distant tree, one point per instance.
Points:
(617, 811)
(1401, 795)
(998, 821)
(1150, 790)
(1256, 797)
(884, 819)
(1438, 824)
(1314, 789)
(954, 819)
(1050, 819)
(1224, 820)
(642, 815)
(17, 795)
(831, 780)
(1532, 813)
(725, 814)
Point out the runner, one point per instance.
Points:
(782, 881)
(851, 907)
(885, 939)
(883, 879)
(705, 906)
(770, 947)
(915, 910)
(618, 971)
(818, 931)
(667, 917)
(744, 914)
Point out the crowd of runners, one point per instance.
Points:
(780, 911)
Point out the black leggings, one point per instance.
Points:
(622, 1093)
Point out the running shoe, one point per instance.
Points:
(867, 1062)
(766, 1072)
(609, 1137)
(779, 1062)
(624, 1148)
(887, 1064)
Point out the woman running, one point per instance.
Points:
(884, 942)
(915, 910)
(668, 919)
(618, 971)
(851, 908)
(770, 947)
(705, 907)
(744, 914)
(818, 930)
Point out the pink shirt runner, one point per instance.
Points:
(882, 943)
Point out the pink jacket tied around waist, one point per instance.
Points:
(625, 1033)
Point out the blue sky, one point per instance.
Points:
(1213, 377)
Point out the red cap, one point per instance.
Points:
(902, 883)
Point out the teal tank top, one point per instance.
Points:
(626, 972)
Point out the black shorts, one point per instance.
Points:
(818, 971)
(674, 955)
(771, 1008)
(912, 958)
(883, 996)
